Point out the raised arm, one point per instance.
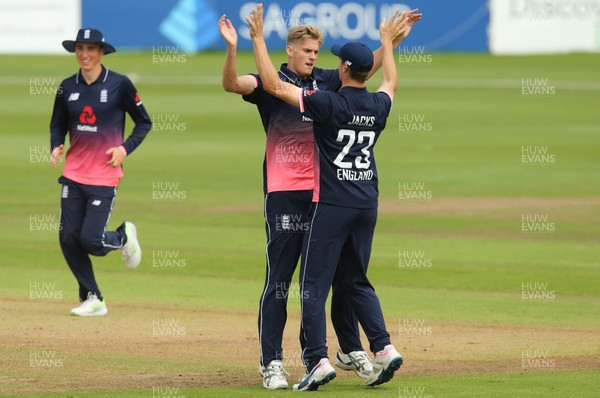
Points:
(404, 23)
(243, 85)
(390, 75)
(271, 83)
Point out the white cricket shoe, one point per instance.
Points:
(92, 306)
(274, 375)
(386, 362)
(358, 361)
(132, 252)
(321, 374)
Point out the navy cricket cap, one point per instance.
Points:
(356, 55)
(88, 35)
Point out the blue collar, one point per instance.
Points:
(101, 78)
(293, 78)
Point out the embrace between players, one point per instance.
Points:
(319, 171)
(330, 123)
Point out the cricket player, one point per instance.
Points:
(91, 107)
(337, 245)
(288, 184)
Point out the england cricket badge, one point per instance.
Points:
(285, 222)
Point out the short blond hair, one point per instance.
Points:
(299, 32)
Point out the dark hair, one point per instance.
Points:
(359, 76)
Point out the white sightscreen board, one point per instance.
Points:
(38, 26)
(544, 26)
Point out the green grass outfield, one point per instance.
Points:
(208, 147)
(513, 385)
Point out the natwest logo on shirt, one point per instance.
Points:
(87, 117)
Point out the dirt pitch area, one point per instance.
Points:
(134, 347)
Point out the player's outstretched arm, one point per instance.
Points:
(403, 25)
(271, 83)
(390, 75)
(243, 85)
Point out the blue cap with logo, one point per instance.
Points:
(356, 55)
(88, 35)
